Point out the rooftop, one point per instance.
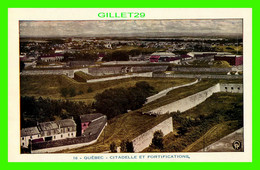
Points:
(66, 123)
(30, 131)
(95, 127)
(48, 126)
(229, 56)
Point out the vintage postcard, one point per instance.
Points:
(130, 85)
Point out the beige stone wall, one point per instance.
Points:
(144, 140)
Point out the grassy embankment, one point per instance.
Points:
(132, 124)
(205, 123)
(50, 85)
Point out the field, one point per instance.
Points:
(123, 127)
(218, 116)
(50, 86)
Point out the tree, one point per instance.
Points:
(64, 92)
(157, 140)
(118, 55)
(129, 146)
(22, 65)
(72, 92)
(113, 102)
(113, 147)
(126, 146)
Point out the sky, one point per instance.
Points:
(132, 27)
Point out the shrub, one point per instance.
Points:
(157, 140)
(113, 147)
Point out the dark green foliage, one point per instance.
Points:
(64, 92)
(80, 92)
(113, 102)
(123, 146)
(72, 92)
(119, 55)
(41, 110)
(90, 90)
(69, 91)
(157, 140)
(126, 146)
(182, 130)
(129, 146)
(113, 147)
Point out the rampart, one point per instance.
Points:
(206, 76)
(164, 92)
(144, 140)
(195, 99)
(201, 69)
(149, 74)
(67, 72)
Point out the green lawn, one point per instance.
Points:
(50, 85)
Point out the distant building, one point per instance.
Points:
(186, 57)
(52, 57)
(206, 54)
(231, 59)
(164, 57)
(48, 131)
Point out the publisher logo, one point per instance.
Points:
(236, 145)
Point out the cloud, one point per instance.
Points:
(73, 28)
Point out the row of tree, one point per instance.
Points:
(113, 102)
(41, 110)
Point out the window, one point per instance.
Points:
(226, 88)
(38, 135)
(54, 137)
(31, 137)
(61, 136)
(238, 88)
(68, 129)
(71, 134)
(231, 88)
(23, 144)
(22, 138)
(68, 134)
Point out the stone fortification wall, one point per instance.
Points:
(187, 102)
(149, 68)
(164, 92)
(232, 88)
(200, 69)
(67, 72)
(209, 76)
(144, 140)
(195, 99)
(101, 71)
(121, 77)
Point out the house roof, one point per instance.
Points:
(90, 117)
(66, 123)
(95, 127)
(30, 131)
(229, 56)
(48, 126)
